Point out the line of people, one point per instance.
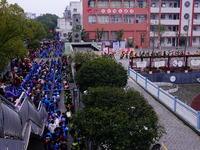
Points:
(56, 133)
(47, 50)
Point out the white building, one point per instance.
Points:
(65, 23)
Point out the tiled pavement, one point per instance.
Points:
(178, 135)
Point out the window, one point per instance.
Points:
(171, 5)
(163, 16)
(196, 5)
(163, 5)
(140, 4)
(176, 5)
(175, 17)
(91, 3)
(141, 18)
(102, 19)
(195, 28)
(115, 3)
(113, 35)
(105, 35)
(195, 16)
(169, 40)
(128, 4)
(74, 10)
(170, 17)
(194, 39)
(152, 28)
(153, 16)
(115, 19)
(70, 23)
(153, 4)
(92, 19)
(103, 3)
(170, 28)
(128, 19)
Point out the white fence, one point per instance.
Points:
(184, 111)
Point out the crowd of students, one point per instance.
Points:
(47, 50)
(60, 126)
(45, 81)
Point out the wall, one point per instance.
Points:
(178, 78)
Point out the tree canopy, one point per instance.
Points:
(38, 33)
(80, 57)
(99, 34)
(119, 34)
(101, 72)
(50, 22)
(114, 118)
(16, 30)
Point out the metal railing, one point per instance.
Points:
(185, 112)
(19, 121)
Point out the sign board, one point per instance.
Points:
(195, 62)
(158, 64)
(116, 45)
(105, 50)
(141, 64)
(122, 44)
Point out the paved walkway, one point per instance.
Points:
(178, 136)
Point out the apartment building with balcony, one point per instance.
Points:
(139, 18)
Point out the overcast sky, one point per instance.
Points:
(43, 6)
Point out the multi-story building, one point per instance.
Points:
(140, 18)
(65, 24)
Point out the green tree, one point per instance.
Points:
(14, 48)
(37, 31)
(84, 35)
(79, 58)
(99, 34)
(50, 22)
(13, 29)
(13, 22)
(101, 72)
(119, 34)
(117, 119)
(160, 30)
